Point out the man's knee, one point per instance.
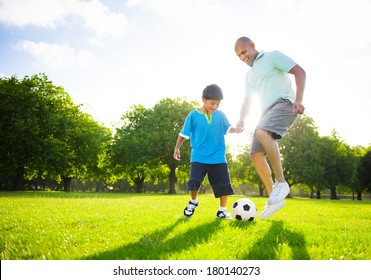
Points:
(256, 157)
(261, 134)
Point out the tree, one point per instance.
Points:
(338, 163)
(243, 171)
(356, 185)
(86, 141)
(167, 119)
(132, 149)
(147, 138)
(44, 134)
(302, 155)
(17, 123)
(364, 172)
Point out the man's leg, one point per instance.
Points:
(273, 152)
(281, 188)
(262, 168)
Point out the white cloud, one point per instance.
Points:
(55, 57)
(101, 21)
(187, 13)
(96, 16)
(42, 13)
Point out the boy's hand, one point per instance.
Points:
(240, 126)
(176, 154)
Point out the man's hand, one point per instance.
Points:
(298, 108)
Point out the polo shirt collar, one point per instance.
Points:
(261, 53)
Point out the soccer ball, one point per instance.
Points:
(244, 209)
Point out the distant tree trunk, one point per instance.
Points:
(333, 193)
(18, 180)
(311, 194)
(172, 179)
(99, 187)
(359, 195)
(261, 191)
(139, 182)
(318, 195)
(67, 183)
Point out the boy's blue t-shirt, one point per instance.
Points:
(206, 136)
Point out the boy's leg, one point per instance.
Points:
(192, 204)
(222, 212)
(194, 195)
(197, 175)
(223, 201)
(219, 179)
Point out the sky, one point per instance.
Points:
(111, 55)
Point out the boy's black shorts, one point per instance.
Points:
(218, 175)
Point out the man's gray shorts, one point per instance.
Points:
(277, 119)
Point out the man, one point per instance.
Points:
(269, 79)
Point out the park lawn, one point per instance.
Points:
(103, 226)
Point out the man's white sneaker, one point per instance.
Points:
(279, 193)
(270, 209)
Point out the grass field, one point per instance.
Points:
(75, 226)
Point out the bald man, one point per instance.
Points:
(268, 78)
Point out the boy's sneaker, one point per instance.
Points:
(279, 193)
(190, 209)
(224, 215)
(270, 209)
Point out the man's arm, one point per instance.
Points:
(245, 110)
(300, 78)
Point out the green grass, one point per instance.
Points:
(74, 226)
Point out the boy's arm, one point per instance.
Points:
(300, 78)
(178, 144)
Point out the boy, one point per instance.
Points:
(269, 79)
(206, 128)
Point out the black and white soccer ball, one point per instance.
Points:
(244, 210)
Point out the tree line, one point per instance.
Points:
(48, 142)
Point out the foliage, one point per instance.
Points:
(318, 162)
(131, 151)
(364, 171)
(302, 156)
(147, 138)
(243, 172)
(44, 134)
(168, 116)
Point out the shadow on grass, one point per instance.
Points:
(157, 245)
(269, 246)
(242, 224)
